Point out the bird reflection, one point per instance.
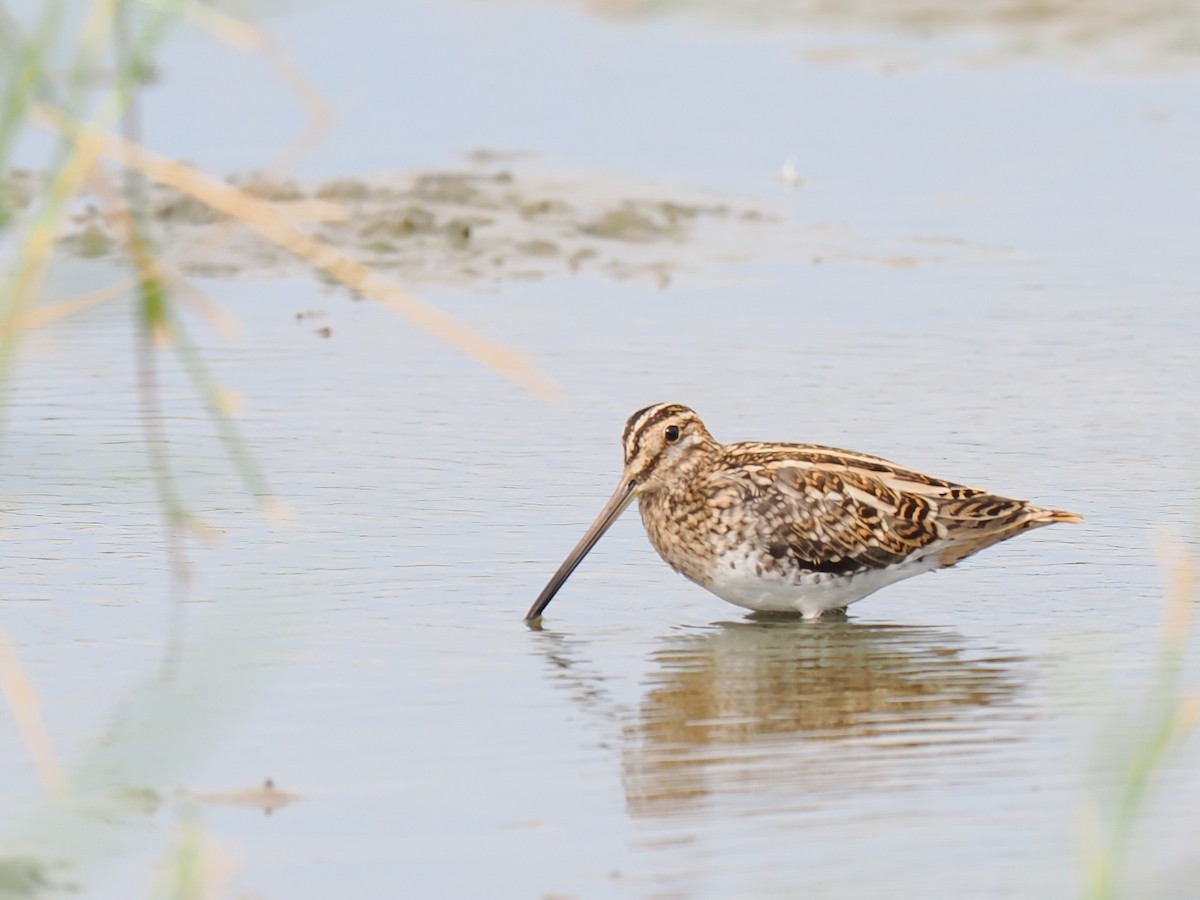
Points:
(754, 706)
(779, 711)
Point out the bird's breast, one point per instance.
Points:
(693, 533)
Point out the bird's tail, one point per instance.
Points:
(1050, 516)
(1026, 518)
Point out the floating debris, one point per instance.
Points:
(268, 797)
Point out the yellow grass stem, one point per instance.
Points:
(40, 241)
(27, 716)
(50, 313)
(224, 27)
(249, 38)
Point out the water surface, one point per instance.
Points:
(366, 652)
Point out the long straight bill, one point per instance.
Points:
(614, 507)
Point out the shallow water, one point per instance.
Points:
(365, 651)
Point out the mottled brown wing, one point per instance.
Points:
(841, 512)
(846, 521)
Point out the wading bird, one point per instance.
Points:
(791, 527)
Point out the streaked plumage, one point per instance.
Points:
(792, 527)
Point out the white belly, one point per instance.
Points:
(737, 579)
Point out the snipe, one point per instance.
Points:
(791, 527)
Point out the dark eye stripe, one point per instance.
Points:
(664, 411)
(634, 424)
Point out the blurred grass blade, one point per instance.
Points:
(27, 717)
(49, 313)
(149, 742)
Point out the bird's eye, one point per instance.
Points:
(672, 433)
